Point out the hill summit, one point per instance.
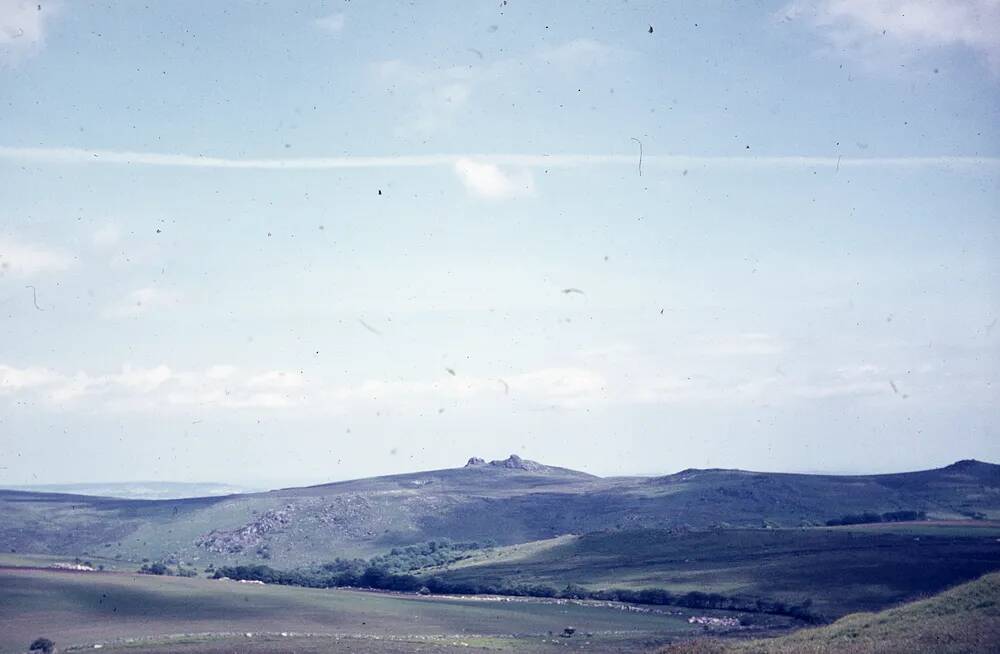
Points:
(969, 464)
(513, 462)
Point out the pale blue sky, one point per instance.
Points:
(259, 235)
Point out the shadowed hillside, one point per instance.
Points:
(832, 570)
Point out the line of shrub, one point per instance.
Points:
(357, 573)
(868, 518)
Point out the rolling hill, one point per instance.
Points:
(507, 502)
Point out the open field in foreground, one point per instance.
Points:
(159, 614)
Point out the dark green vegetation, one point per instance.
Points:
(963, 620)
(43, 645)
(158, 568)
(177, 614)
(871, 518)
(400, 560)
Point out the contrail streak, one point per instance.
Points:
(119, 157)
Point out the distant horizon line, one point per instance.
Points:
(77, 156)
(258, 487)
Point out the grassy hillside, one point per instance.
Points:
(962, 620)
(198, 615)
(508, 505)
(840, 570)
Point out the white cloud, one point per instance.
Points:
(143, 300)
(161, 387)
(615, 352)
(697, 383)
(429, 98)
(333, 23)
(579, 53)
(23, 28)
(106, 236)
(560, 386)
(144, 379)
(18, 379)
(771, 385)
(723, 388)
(220, 372)
(900, 29)
(276, 380)
(749, 344)
(567, 387)
(23, 260)
(148, 389)
(486, 180)
(711, 389)
(846, 381)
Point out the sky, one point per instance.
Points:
(286, 243)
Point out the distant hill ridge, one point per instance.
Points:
(508, 501)
(973, 466)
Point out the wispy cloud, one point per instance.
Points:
(749, 344)
(598, 381)
(23, 25)
(333, 23)
(153, 389)
(106, 236)
(848, 381)
(429, 98)
(161, 387)
(26, 260)
(579, 54)
(486, 180)
(730, 388)
(674, 161)
(874, 30)
(566, 387)
(142, 301)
